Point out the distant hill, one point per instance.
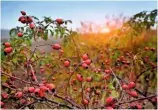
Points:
(4, 35)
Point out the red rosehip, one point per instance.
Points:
(89, 79)
(88, 89)
(23, 20)
(59, 21)
(85, 102)
(50, 86)
(31, 89)
(133, 94)
(109, 101)
(29, 20)
(23, 101)
(31, 25)
(109, 108)
(42, 70)
(131, 85)
(75, 89)
(67, 63)
(20, 34)
(8, 49)
(146, 48)
(37, 90)
(88, 61)
(139, 106)
(5, 95)
(2, 104)
(107, 71)
(84, 65)
(7, 44)
(56, 46)
(23, 12)
(44, 88)
(79, 77)
(85, 57)
(18, 94)
(124, 86)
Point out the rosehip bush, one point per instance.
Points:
(103, 80)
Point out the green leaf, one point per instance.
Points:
(45, 37)
(52, 33)
(35, 17)
(13, 32)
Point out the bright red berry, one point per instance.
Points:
(107, 71)
(31, 25)
(88, 61)
(131, 85)
(67, 63)
(2, 104)
(18, 94)
(85, 57)
(56, 46)
(109, 108)
(5, 95)
(84, 65)
(8, 49)
(50, 86)
(7, 44)
(109, 101)
(59, 21)
(79, 77)
(29, 19)
(133, 94)
(89, 79)
(124, 86)
(85, 102)
(31, 89)
(23, 12)
(20, 34)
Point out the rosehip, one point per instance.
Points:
(56, 46)
(67, 63)
(2, 104)
(139, 106)
(88, 89)
(88, 61)
(89, 79)
(79, 77)
(109, 101)
(23, 12)
(29, 20)
(124, 86)
(75, 89)
(51, 87)
(8, 49)
(84, 65)
(131, 85)
(23, 101)
(31, 89)
(133, 94)
(7, 44)
(109, 108)
(85, 57)
(59, 21)
(37, 90)
(85, 102)
(23, 20)
(18, 94)
(31, 25)
(5, 95)
(44, 88)
(107, 71)
(20, 34)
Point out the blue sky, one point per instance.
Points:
(75, 10)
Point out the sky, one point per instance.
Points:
(76, 11)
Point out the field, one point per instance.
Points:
(45, 65)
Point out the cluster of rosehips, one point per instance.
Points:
(8, 49)
(20, 95)
(128, 88)
(25, 19)
(150, 48)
